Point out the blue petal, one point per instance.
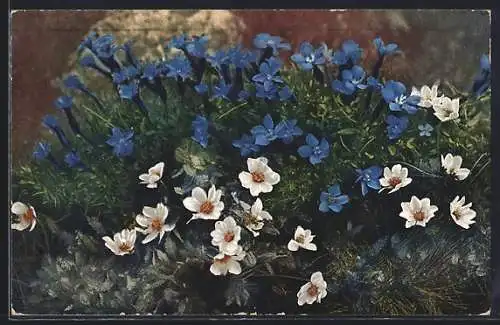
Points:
(306, 66)
(338, 86)
(335, 207)
(374, 183)
(334, 189)
(349, 88)
(259, 129)
(306, 48)
(323, 206)
(391, 48)
(324, 196)
(305, 151)
(324, 145)
(311, 140)
(364, 189)
(342, 199)
(358, 73)
(298, 58)
(347, 75)
(388, 93)
(261, 140)
(395, 107)
(268, 122)
(313, 159)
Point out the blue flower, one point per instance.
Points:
(394, 93)
(373, 82)
(246, 145)
(264, 134)
(221, 90)
(382, 49)
(483, 80)
(179, 67)
(177, 42)
(285, 94)
(264, 40)
(333, 199)
(197, 47)
(243, 95)
(286, 130)
(270, 93)
(73, 82)
(314, 149)
(351, 80)
(150, 71)
(73, 160)
(50, 122)
(87, 41)
(128, 91)
(42, 150)
(308, 57)
(350, 52)
(200, 130)
(64, 103)
(104, 47)
(88, 61)
(240, 58)
(369, 178)
(121, 141)
(201, 88)
(396, 126)
(425, 130)
(220, 58)
(267, 73)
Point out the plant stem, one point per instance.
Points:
(99, 116)
(229, 111)
(280, 276)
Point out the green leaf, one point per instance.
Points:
(392, 150)
(348, 131)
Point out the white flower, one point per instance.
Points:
(260, 178)
(224, 263)
(427, 95)
(302, 238)
(154, 174)
(446, 109)
(254, 216)
(207, 207)
(452, 165)
(226, 236)
(122, 243)
(417, 212)
(394, 178)
(26, 216)
(462, 213)
(315, 290)
(153, 219)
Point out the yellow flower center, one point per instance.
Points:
(28, 216)
(313, 290)
(394, 181)
(258, 177)
(249, 219)
(156, 224)
(419, 216)
(300, 239)
(207, 207)
(223, 260)
(228, 236)
(125, 247)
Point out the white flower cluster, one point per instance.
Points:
(445, 108)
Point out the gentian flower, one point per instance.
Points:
(238, 57)
(72, 159)
(200, 129)
(73, 82)
(201, 88)
(178, 42)
(369, 178)
(87, 41)
(351, 80)
(88, 61)
(179, 67)
(308, 57)
(285, 94)
(104, 47)
(42, 150)
(425, 130)
(483, 81)
(314, 149)
(64, 103)
(119, 77)
(218, 60)
(267, 73)
(246, 145)
(50, 122)
(396, 126)
(128, 91)
(394, 93)
(373, 82)
(350, 52)
(383, 49)
(264, 40)
(286, 130)
(197, 46)
(333, 199)
(243, 95)
(264, 134)
(149, 72)
(221, 90)
(270, 93)
(121, 141)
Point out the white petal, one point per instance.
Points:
(255, 189)
(19, 226)
(33, 224)
(410, 223)
(245, 179)
(149, 212)
(257, 207)
(387, 173)
(199, 194)
(462, 173)
(233, 267)
(415, 204)
(19, 208)
(216, 269)
(191, 204)
(266, 216)
(253, 165)
(150, 237)
(142, 220)
(310, 246)
(293, 246)
(272, 178)
(211, 193)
